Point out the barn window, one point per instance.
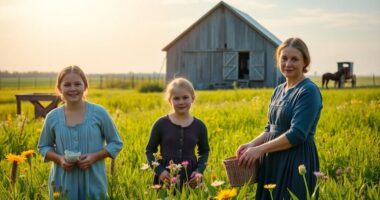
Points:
(243, 65)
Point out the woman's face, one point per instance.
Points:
(292, 63)
(72, 88)
(181, 100)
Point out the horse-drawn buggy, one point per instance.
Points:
(343, 75)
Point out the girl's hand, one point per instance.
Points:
(242, 148)
(195, 179)
(249, 157)
(86, 160)
(66, 165)
(164, 176)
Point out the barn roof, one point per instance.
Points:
(243, 16)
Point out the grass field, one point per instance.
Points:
(347, 139)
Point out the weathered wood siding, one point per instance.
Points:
(198, 55)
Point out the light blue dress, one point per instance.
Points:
(295, 114)
(96, 132)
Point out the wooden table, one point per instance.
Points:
(35, 98)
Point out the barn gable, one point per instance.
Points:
(224, 46)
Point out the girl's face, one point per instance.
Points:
(181, 100)
(292, 63)
(72, 88)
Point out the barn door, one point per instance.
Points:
(257, 66)
(230, 65)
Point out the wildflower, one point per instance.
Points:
(56, 195)
(319, 174)
(155, 164)
(339, 172)
(15, 158)
(198, 177)
(174, 168)
(156, 186)
(349, 169)
(226, 194)
(144, 166)
(157, 156)
(270, 186)
(213, 177)
(217, 183)
(185, 163)
(28, 153)
(173, 180)
(302, 169)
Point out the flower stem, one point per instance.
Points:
(14, 172)
(271, 195)
(307, 188)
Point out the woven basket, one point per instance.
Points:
(238, 176)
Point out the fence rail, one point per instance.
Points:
(126, 81)
(132, 81)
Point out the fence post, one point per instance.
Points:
(133, 80)
(374, 83)
(35, 81)
(101, 82)
(18, 83)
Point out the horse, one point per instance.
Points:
(326, 77)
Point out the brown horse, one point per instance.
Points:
(326, 77)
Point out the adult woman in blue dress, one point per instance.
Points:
(288, 138)
(78, 127)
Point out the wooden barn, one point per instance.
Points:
(223, 47)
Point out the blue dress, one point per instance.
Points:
(294, 113)
(96, 132)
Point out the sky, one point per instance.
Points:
(122, 36)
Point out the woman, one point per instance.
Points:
(288, 139)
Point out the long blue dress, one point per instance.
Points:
(294, 113)
(96, 132)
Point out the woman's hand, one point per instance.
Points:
(195, 179)
(242, 148)
(86, 160)
(249, 157)
(165, 176)
(66, 165)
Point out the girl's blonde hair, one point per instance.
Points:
(179, 83)
(296, 43)
(71, 69)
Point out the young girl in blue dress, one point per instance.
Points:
(77, 137)
(178, 134)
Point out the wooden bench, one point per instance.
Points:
(35, 98)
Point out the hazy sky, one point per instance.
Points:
(121, 36)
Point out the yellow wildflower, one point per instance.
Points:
(270, 186)
(15, 158)
(226, 194)
(28, 153)
(56, 195)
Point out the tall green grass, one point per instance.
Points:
(347, 139)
